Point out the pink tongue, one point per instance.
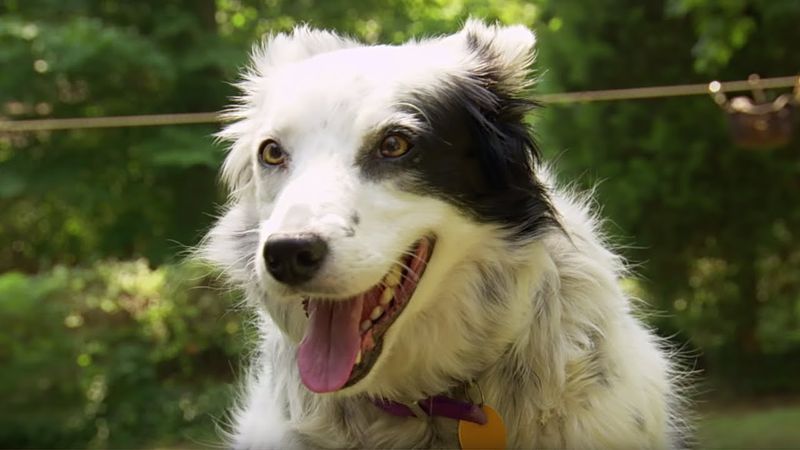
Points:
(332, 341)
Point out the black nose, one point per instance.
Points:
(295, 258)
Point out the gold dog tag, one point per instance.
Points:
(489, 436)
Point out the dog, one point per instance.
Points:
(405, 249)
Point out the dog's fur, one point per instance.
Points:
(521, 294)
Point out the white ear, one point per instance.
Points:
(302, 43)
(274, 51)
(506, 52)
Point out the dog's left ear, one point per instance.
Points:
(503, 54)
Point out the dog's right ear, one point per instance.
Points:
(272, 52)
(302, 43)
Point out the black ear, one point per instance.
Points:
(497, 101)
(495, 95)
(477, 151)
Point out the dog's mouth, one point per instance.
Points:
(344, 338)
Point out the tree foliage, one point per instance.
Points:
(712, 224)
(115, 355)
(76, 196)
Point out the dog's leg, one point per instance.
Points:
(262, 418)
(623, 401)
(276, 411)
(261, 423)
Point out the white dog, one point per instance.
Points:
(411, 260)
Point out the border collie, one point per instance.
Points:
(411, 260)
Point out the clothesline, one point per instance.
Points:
(75, 123)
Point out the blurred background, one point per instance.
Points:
(108, 339)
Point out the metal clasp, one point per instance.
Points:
(417, 410)
(472, 385)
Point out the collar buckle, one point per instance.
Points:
(469, 388)
(417, 410)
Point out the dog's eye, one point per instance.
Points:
(271, 153)
(394, 146)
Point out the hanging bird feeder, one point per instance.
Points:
(757, 123)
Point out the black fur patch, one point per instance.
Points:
(477, 153)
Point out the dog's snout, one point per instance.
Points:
(295, 258)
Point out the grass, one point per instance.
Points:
(776, 427)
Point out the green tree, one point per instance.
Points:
(74, 196)
(710, 222)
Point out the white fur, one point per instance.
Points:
(561, 357)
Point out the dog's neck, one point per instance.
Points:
(495, 358)
(564, 321)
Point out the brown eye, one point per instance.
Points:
(394, 146)
(271, 153)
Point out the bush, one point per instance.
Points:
(114, 355)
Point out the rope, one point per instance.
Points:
(666, 91)
(78, 123)
(565, 98)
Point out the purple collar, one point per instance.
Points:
(437, 405)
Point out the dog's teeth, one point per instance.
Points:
(393, 278)
(377, 312)
(358, 357)
(387, 296)
(366, 325)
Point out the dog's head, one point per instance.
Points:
(375, 191)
